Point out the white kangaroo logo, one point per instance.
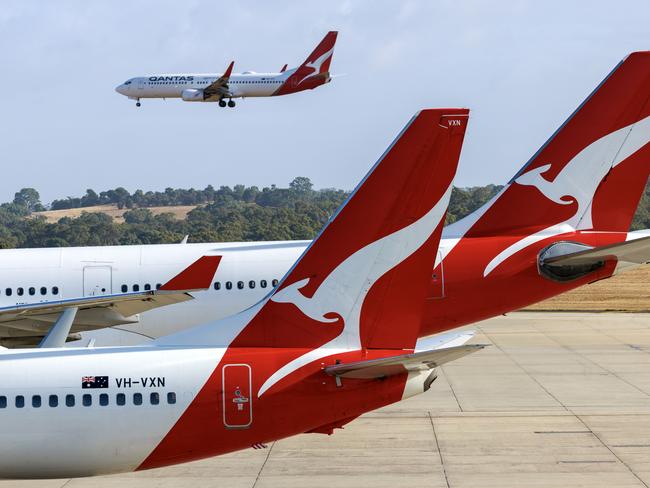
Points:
(317, 64)
(344, 290)
(578, 181)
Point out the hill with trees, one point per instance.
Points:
(239, 213)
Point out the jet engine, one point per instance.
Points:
(192, 95)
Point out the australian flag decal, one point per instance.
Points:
(94, 382)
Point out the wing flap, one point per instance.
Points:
(219, 87)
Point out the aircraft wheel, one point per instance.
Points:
(222, 103)
(137, 104)
(231, 103)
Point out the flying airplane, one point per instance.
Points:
(313, 355)
(313, 72)
(560, 223)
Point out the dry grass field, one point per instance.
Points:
(180, 212)
(627, 292)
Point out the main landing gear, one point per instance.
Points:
(231, 103)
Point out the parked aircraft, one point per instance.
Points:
(313, 355)
(192, 87)
(560, 223)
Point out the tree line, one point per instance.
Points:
(240, 213)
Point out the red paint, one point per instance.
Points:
(197, 276)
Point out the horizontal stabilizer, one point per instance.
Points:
(630, 253)
(418, 361)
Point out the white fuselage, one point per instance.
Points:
(44, 415)
(240, 85)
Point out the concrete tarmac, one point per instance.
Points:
(557, 400)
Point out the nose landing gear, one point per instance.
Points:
(137, 103)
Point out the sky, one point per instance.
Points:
(521, 67)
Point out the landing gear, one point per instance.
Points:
(222, 103)
(231, 103)
(137, 104)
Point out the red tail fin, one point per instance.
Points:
(363, 280)
(314, 71)
(590, 174)
(321, 57)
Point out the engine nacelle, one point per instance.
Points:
(192, 95)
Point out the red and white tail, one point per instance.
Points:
(314, 71)
(363, 280)
(318, 62)
(589, 175)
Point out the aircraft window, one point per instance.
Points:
(147, 286)
(55, 290)
(3, 402)
(263, 283)
(228, 285)
(32, 290)
(87, 400)
(43, 290)
(240, 285)
(158, 286)
(120, 399)
(136, 287)
(137, 399)
(8, 292)
(125, 288)
(69, 401)
(154, 398)
(36, 401)
(53, 401)
(103, 399)
(171, 397)
(217, 285)
(20, 291)
(20, 401)
(274, 282)
(251, 284)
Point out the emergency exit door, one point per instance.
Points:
(97, 280)
(236, 393)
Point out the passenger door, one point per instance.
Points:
(236, 395)
(97, 280)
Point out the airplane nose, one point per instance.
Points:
(121, 89)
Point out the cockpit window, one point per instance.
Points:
(127, 82)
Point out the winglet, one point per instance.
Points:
(284, 68)
(197, 276)
(228, 71)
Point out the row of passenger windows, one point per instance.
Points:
(87, 400)
(208, 82)
(228, 285)
(241, 285)
(43, 290)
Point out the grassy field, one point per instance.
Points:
(627, 292)
(180, 212)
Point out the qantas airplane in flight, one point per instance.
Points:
(560, 223)
(219, 87)
(314, 354)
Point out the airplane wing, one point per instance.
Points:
(416, 361)
(100, 311)
(629, 253)
(219, 88)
